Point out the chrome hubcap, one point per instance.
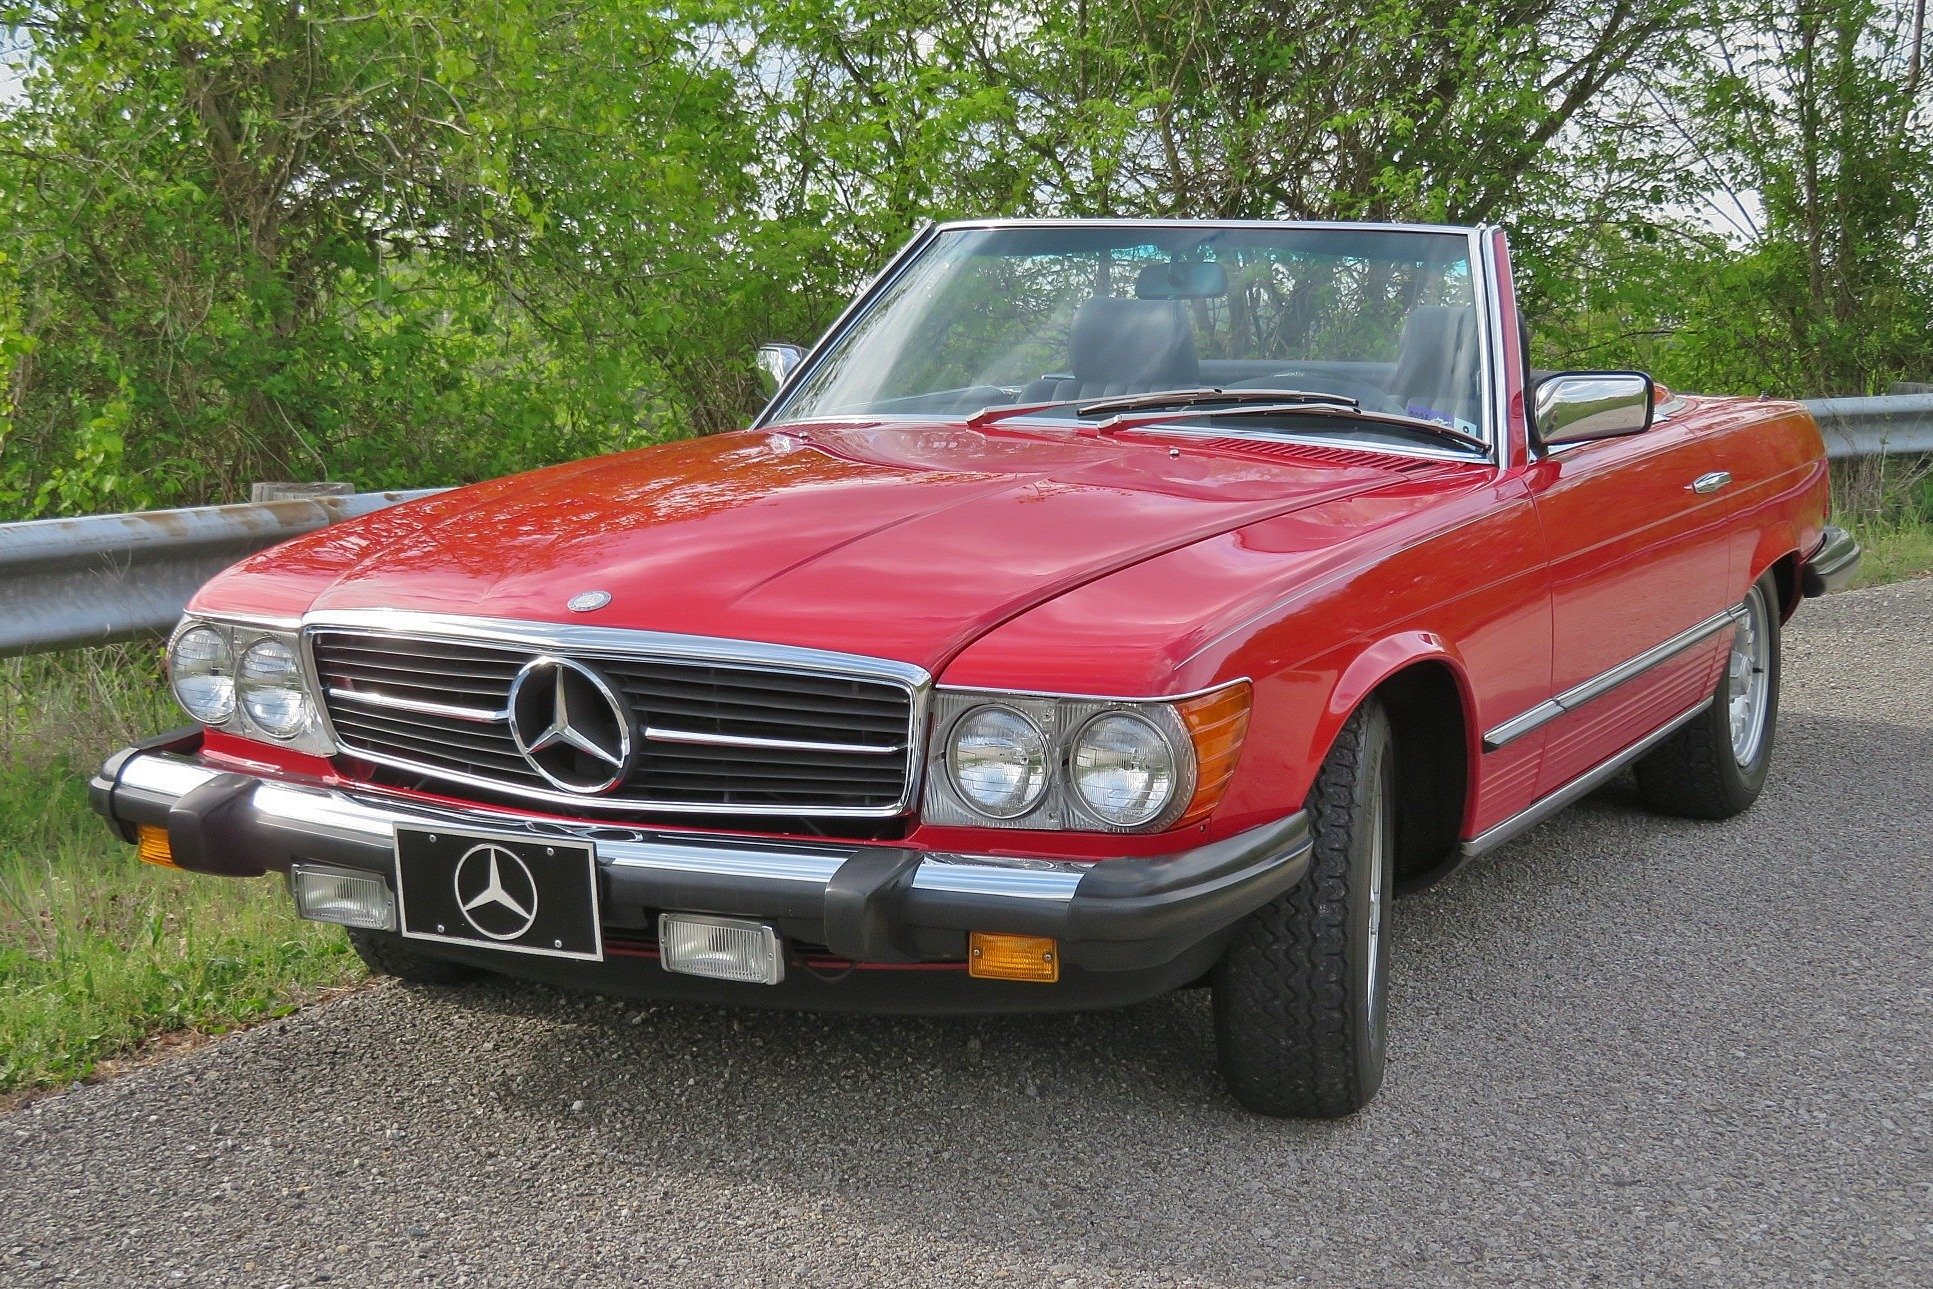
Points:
(1747, 683)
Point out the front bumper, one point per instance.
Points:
(1150, 923)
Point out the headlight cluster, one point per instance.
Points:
(247, 680)
(1032, 761)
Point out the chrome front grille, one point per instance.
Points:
(758, 731)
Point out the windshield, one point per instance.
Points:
(985, 318)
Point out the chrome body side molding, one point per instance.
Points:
(1604, 682)
(1582, 785)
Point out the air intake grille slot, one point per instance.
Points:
(708, 737)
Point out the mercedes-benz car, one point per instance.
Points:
(1099, 608)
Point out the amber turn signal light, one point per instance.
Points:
(151, 844)
(992, 956)
(1217, 723)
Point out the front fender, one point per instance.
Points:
(1373, 667)
(1299, 712)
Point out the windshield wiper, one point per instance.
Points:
(1314, 407)
(1163, 406)
(1159, 398)
(1179, 398)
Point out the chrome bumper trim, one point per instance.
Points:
(332, 812)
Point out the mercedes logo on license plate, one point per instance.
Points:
(496, 892)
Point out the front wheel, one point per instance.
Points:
(1716, 765)
(1301, 993)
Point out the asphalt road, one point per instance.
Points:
(1625, 1050)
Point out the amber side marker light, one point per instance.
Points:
(992, 956)
(1217, 723)
(151, 844)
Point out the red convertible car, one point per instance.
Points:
(1100, 608)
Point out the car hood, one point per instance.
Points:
(897, 541)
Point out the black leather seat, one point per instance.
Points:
(1118, 346)
(1436, 363)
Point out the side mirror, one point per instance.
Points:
(775, 363)
(1582, 406)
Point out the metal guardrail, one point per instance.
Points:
(1890, 425)
(65, 583)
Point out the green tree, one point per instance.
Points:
(416, 242)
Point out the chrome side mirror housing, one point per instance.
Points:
(775, 363)
(1583, 406)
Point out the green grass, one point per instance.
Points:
(99, 953)
(1887, 504)
(1894, 551)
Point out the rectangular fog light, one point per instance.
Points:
(343, 896)
(721, 948)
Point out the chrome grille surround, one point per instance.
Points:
(452, 725)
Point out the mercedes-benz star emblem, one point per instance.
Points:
(496, 892)
(585, 601)
(571, 725)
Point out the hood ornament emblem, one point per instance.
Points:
(585, 601)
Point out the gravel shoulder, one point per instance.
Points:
(1624, 1049)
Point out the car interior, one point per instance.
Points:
(1119, 345)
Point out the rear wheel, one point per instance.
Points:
(386, 954)
(1716, 765)
(1301, 993)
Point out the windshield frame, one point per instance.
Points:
(1480, 241)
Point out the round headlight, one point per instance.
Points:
(997, 760)
(201, 667)
(270, 682)
(1123, 769)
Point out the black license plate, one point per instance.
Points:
(490, 891)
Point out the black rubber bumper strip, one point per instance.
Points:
(101, 789)
(863, 906)
(1135, 912)
(1832, 566)
(209, 828)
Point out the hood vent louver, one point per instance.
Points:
(1316, 453)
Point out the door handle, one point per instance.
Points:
(1712, 482)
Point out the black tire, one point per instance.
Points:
(1698, 773)
(386, 954)
(1300, 994)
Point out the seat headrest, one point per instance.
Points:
(1436, 364)
(1121, 346)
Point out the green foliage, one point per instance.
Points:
(246, 241)
(1807, 127)
(412, 242)
(99, 952)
